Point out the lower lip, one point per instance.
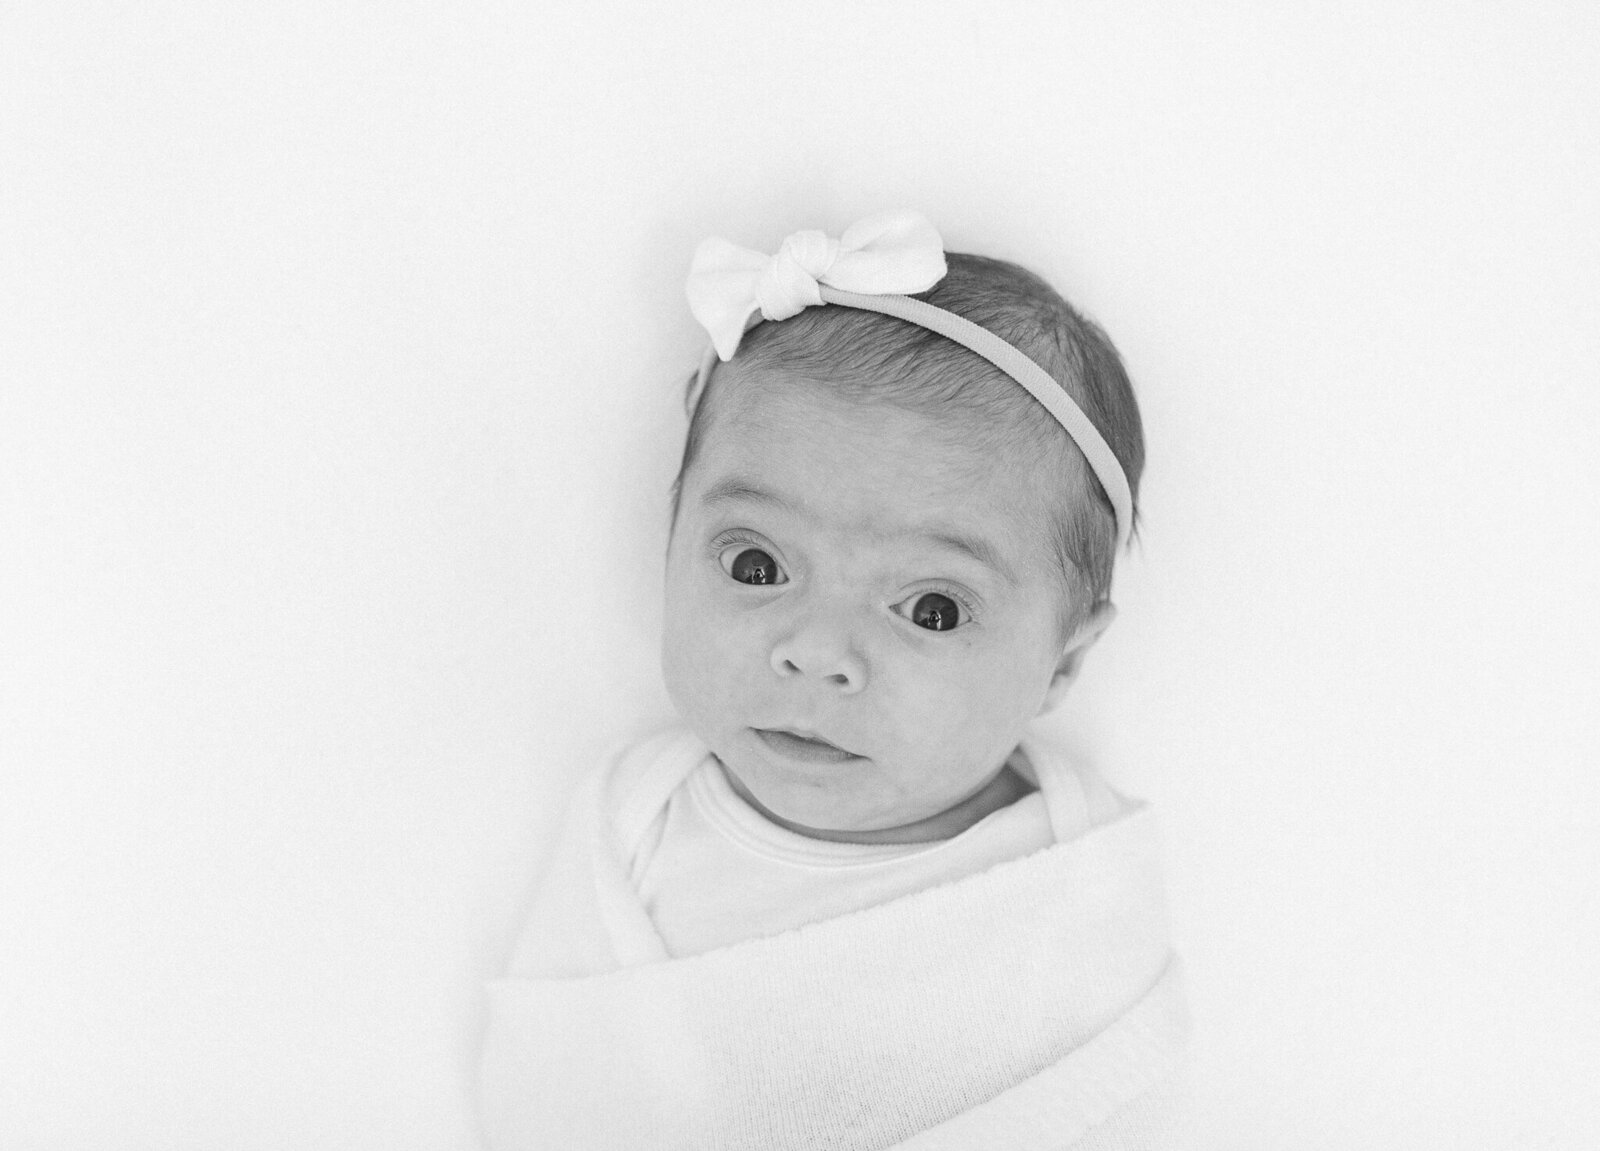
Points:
(805, 750)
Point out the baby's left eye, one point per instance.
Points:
(935, 612)
(754, 566)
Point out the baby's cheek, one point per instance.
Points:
(1008, 694)
(924, 709)
(709, 656)
(725, 658)
(684, 659)
(969, 709)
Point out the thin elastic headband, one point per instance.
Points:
(731, 289)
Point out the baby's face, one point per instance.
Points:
(861, 615)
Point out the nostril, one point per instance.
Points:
(793, 659)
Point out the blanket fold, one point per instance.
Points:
(1023, 1006)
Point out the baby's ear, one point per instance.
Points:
(1077, 646)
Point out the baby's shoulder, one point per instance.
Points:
(1078, 796)
(641, 773)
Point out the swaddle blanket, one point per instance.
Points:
(1034, 1005)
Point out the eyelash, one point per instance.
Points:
(725, 542)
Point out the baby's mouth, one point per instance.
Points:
(807, 748)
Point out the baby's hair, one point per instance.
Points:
(870, 357)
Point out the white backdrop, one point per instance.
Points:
(340, 353)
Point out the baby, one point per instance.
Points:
(854, 904)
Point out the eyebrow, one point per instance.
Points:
(974, 547)
(737, 489)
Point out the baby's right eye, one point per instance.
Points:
(752, 565)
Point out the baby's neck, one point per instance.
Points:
(1002, 790)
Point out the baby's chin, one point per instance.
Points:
(832, 810)
(819, 804)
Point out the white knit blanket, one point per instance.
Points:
(1034, 1005)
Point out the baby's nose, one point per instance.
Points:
(821, 646)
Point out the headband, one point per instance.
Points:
(875, 266)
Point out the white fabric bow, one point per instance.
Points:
(893, 253)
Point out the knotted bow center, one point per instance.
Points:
(788, 283)
(895, 253)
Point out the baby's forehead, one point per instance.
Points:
(796, 447)
(913, 422)
(863, 428)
